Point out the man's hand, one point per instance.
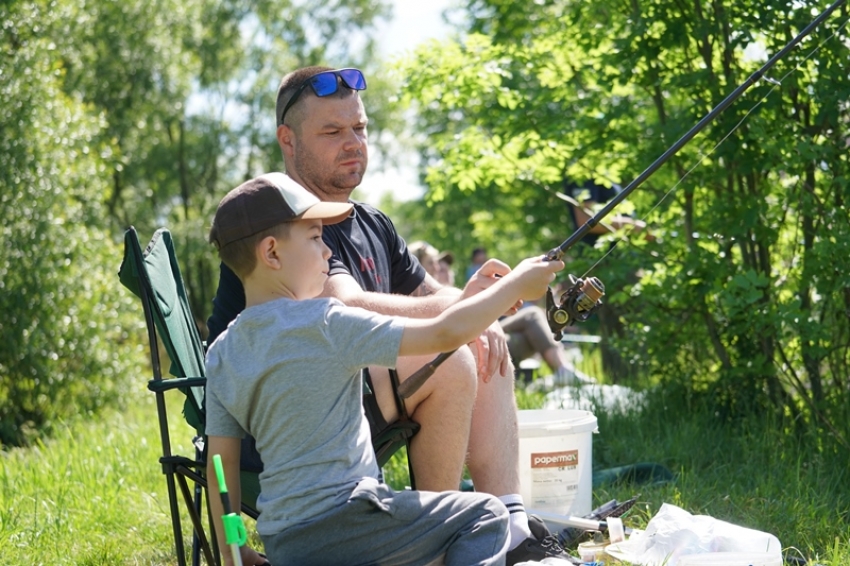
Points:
(488, 274)
(491, 352)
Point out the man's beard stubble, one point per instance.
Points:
(310, 171)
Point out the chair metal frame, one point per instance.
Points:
(178, 470)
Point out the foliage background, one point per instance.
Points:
(736, 312)
(737, 302)
(130, 113)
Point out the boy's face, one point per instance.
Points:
(305, 259)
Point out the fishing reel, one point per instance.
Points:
(576, 304)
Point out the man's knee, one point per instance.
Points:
(456, 378)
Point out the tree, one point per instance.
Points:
(64, 319)
(738, 278)
(102, 128)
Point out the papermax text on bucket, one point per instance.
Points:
(555, 459)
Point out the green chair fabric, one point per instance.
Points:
(171, 313)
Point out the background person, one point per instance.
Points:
(477, 259)
(446, 275)
(529, 334)
(438, 265)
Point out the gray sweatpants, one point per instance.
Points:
(380, 526)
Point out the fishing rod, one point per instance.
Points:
(584, 295)
(558, 253)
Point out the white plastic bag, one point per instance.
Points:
(673, 532)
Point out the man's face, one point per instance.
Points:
(331, 149)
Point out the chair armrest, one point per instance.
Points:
(160, 385)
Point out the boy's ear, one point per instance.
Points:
(267, 253)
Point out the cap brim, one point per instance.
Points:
(328, 212)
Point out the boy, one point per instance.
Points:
(287, 371)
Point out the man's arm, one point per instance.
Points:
(427, 300)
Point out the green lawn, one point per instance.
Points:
(94, 494)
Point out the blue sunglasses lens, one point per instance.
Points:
(325, 84)
(353, 78)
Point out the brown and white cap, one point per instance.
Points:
(266, 201)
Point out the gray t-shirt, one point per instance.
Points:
(288, 373)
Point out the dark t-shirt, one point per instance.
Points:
(365, 245)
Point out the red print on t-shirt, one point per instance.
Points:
(367, 264)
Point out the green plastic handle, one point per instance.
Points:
(219, 473)
(234, 528)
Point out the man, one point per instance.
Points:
(466, 410)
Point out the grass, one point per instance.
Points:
(93, 495)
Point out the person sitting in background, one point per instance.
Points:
(527, 331)
(478, 257)
(445, 275)
(529, 334)
(438, 265)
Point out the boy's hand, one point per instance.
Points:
(251, 557)
(535, 274)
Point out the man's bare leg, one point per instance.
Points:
(494, 438)
(443, 407)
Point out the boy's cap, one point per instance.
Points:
(266, 201)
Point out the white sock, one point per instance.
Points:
(518, 519)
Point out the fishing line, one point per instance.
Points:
(583, 297)
(776, 84)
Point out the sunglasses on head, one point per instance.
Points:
(326, 84)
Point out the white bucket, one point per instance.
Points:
(556, 461)
(731, 559)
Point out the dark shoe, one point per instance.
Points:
(541, 544)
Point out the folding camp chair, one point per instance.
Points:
(154, 276)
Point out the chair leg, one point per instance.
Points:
(213, 536)
(196, 540)
(175, 518)
(196, 520)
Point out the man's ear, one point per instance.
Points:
(267, 253)
(286, 140)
